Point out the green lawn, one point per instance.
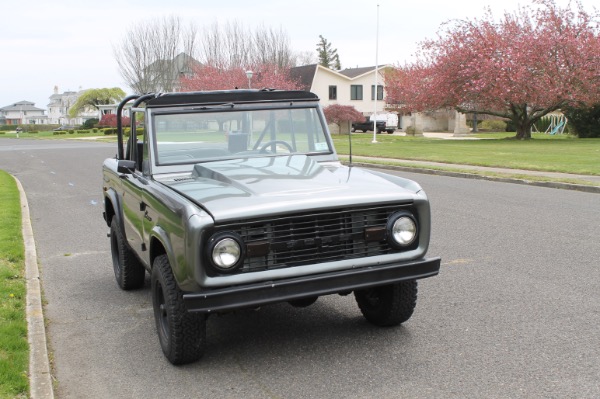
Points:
(14, 349)
(51, 136)
(543, 152)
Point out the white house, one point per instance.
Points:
(356, 87)
(58, 108)
(22, 113)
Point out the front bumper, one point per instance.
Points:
(267, 292)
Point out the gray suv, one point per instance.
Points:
(236, 199)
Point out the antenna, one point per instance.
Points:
(350, 145)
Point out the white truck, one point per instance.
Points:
(386, 121)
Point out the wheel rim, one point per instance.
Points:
(162, 315)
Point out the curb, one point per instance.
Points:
(547, 184)
(40, 380)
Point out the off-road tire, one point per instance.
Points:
(388, 305)
(182, 335)
(303, 302)
(129, 271)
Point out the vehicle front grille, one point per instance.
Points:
(326, 236)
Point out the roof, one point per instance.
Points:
(228, 96)
(356, 72)
(304, 75)
(21, 106)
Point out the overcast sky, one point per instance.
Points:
(68, 43)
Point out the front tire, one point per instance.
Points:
(182, 335)
(388, 305)
(129, 271)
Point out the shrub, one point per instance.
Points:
(510, 126)
(543, 124)
(95, 130)
(110, 120)
(90, 123)
(493, 125)
(585, 121)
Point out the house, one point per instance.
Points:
(22, 113)
(60, 103)
(356, 87)
(165, 75)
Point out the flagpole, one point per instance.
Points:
(376, 77)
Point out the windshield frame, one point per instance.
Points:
(158, 167)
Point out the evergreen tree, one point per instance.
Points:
(328, 57)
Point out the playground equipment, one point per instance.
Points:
(558, 122)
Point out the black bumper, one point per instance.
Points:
(314, 285)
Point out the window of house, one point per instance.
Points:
(379, 92)
(333, 92)
(356, 92)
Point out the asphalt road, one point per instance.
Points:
(514, 313)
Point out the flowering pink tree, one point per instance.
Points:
(339, 114)
(529, 63)
(110, 120)
(207, 77)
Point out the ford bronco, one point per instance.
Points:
(236, 199)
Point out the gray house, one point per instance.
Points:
(22, 113)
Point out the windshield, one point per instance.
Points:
(193, 137)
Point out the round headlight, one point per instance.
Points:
(403, 230)
(226, 252)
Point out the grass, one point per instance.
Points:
(14, 348)
(543, 152)
(51, 136)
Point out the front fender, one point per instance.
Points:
(113, 208)
(161, 243)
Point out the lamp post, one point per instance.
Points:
(249, 76)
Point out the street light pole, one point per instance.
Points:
(249, 76)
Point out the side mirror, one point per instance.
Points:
(125, 166)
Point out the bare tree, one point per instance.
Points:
(156, 54)
(304, 58)
(232, 46)
(147, 57)
(272, 46)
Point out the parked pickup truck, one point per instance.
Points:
(386, 121)
(237, 199)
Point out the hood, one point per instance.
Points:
(251, 187)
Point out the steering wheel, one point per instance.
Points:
(263, 148)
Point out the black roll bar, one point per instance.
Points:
(120, 124)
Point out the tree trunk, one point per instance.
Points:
(523, 129)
